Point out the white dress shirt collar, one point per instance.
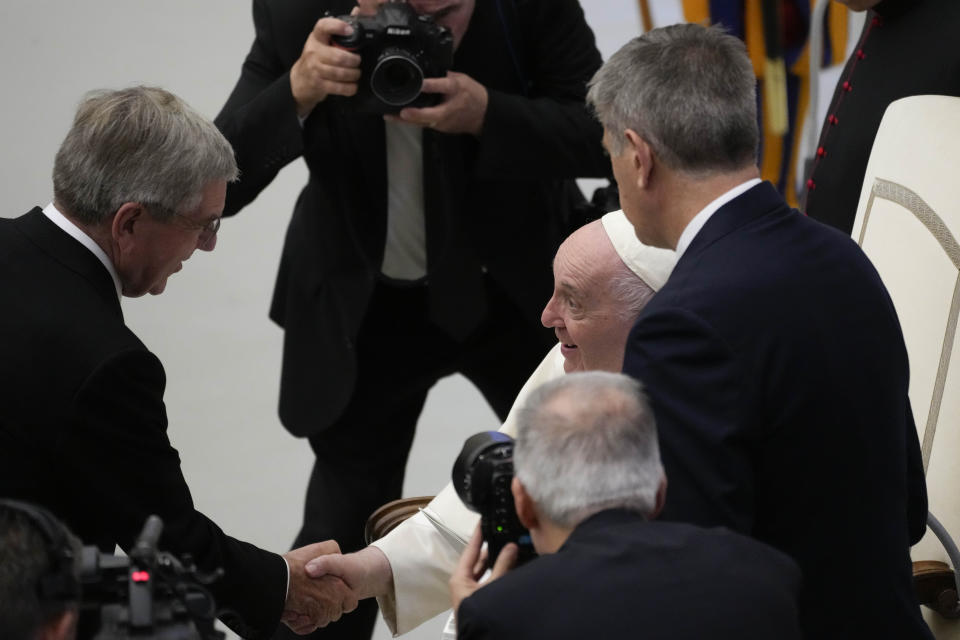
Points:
(693, 227)
(81, 236)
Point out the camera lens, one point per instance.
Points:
(473, 469)
(397, 78)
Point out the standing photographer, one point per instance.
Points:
(421, 244)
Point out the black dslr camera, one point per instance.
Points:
(398, 49)
(482, 475)
(149, 595)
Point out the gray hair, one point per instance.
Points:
(630, 291)
(141, 144)
(689, 91)
(587, 442)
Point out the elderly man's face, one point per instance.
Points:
(590, 323)
(161, 247)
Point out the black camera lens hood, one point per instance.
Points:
(466, 475)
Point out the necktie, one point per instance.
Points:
(456, 298)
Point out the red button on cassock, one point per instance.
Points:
(811, 184)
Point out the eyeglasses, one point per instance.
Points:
(207, 230)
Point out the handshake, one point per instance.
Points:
(324, 585)
(330, 584)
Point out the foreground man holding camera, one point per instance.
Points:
(139, 185)
(773, 357)
(421, 245)
(588, 481)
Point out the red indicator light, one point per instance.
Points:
(140, 576)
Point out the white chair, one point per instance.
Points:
(908, 223)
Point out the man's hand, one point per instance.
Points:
(314, 603)
(463, 109)
(466, 577)
(322, 68)
(367, 572)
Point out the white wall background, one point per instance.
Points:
(210, 329)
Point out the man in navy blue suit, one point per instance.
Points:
(773, 356)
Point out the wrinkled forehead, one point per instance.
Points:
(586, 259)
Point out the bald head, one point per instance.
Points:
(590, 250)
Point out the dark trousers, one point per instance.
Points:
(362, 457)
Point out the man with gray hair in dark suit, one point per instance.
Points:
(773, 355)
(588, 485)
(139, 185)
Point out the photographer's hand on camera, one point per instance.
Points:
(313, 603)
(323, 69)
(462, 110)
(473, 564)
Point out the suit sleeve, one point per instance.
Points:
(471, 624)
(549, 133)
(124, 458)
(695, 385)
(260, 116)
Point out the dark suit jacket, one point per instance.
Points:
(498, 196)
(618, 576)
(777, 372)
(82, 421)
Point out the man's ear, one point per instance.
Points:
(127, 222)
(641, 156)
(526, 512)
(661, 497)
